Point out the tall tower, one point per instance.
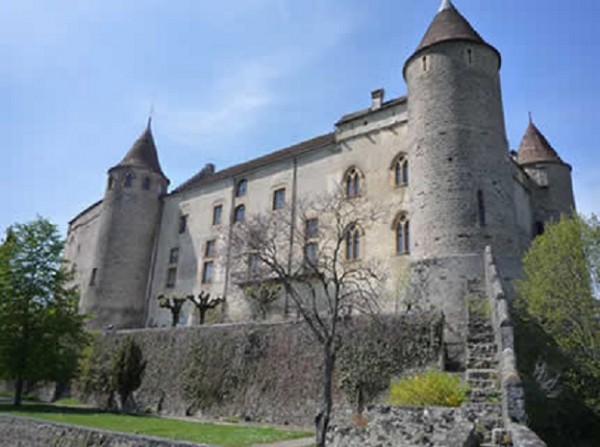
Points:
(462, 190)
(129, 222)
(552, 175)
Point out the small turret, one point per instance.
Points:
(552, 175)
(116, 294)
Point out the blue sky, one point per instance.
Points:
(234, 79)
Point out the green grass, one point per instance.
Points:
(215, 434)
(68, 401)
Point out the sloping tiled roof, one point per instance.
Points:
(143, 153)
(364, 112)
(535, 148)
(204, 177)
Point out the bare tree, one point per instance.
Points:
(203, 302)
(314, 252)
(262, 295)
(174, 305)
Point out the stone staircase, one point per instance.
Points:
(484, 406)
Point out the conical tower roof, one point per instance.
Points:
(449, 24)
(143, 153)
(535, 148)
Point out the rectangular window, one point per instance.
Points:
(210, 250)
(310, 254)
(217, 214)
(253, 263)
(207, 272)
(278, 198)
(93, 277)
(311, 229)
(171, 277)
(183, 223)
(174, 256)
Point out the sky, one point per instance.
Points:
(229, 80)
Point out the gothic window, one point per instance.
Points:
(211, 249)
(207, 272)
(171, 277)
(217, 214)
(239, 214)
(240, 189)
(146, 184)
(352, 181)
(480, 208)
(278, 199)
(128, 180)
(174, 255)
(400, 168)
(402, 230)
(352, 243)
(182, 223)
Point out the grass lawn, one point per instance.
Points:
(215, 434)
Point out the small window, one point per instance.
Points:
(480, 208)
(424, 60)
(253, 264)
(174, 256)
(240, 189)
(311, 228)
(352, 244)
(183, 223)
(110, 182)
(171, 277)
(402, 235)
(128, 180)
(217, 214)
(352, 181)
(146, 184)
(210, 249)
(310, 254)
(400, 167)
(279, 198)
(469, 56)
(239, 214)
(93, 277)
(207, 272)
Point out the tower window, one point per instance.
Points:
(400, 167)
(353, 244)
(241, 188)
(470, 56)
(93, 277)
(171, 277)
(146, 184)
(352, 182)
(183, 223)
(480, 208)
(402, 229)
(217, 214)
(239, 214)
(207, 272)
(279, 199)
(128, 180)
(110, 182)
(424, 60)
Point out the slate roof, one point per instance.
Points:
(535, 148)
(143, 153)
(205, 176)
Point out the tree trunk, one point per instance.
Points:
(322, 419)
(18, 392)
(202, 315)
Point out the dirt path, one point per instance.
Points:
(304, 442)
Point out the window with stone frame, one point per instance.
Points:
(402, 231)
(217, 214)
(241, 188)
(210, 249)
(171, 277)
(146, 183)
(353, 243)
(208, 272)
(352, 182)
(279, 199)
(239, 215)
(183, 223)
(400, 169)
(128, 180)
(174, 255)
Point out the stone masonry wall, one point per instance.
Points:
(259, 372)
(25, 432)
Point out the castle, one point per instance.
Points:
(437, 157)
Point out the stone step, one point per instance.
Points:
(479, 363)
(483, 384)
(482, 374)
(481, 338)
(482, 348)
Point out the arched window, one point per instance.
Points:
(240, 189)
(400, 168)
(353, 243)
(352, 181)
(239, 214)
(402, 230)
(128, 180)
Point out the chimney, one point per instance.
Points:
(377, 98)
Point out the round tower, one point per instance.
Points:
(461, 179)
(554, 195)
(116, 293)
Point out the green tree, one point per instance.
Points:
(558, 325)
(127, 368)
(41, 332)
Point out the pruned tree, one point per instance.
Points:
(174, 305)
(204, 302)
(313, 251)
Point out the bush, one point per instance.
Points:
(430, 388)
(127, 368)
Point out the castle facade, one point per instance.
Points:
(438, 158)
